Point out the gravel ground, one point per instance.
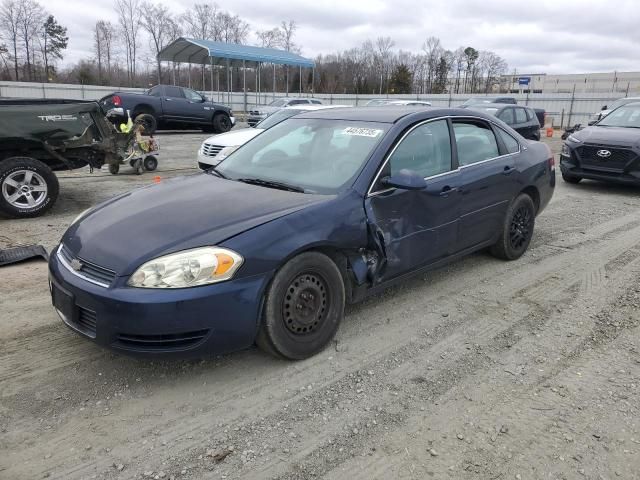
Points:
(480, 370)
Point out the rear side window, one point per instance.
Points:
(316, 102)
(425, 150)
(475, 141)
(173, 92)
(511, 143)
(506, 116)
(530, 113)
(521, 115)
(507, 100)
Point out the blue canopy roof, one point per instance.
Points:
(189, 50)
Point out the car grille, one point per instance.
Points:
(177, 341)
(87, 270)
(209, 150)
(86, 321)
(617, 161)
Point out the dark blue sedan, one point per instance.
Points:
(322, 209)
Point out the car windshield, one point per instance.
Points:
(626, 116)
(373, 103)
(475, 100)
(277, 117)
(281, 102)
(489, 110)
(317, 155)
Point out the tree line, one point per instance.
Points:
(124, 53)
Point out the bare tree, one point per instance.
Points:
(160, 26)
(10, 14)
(199, 21)
(433, 50)
(384, 58)
(129, 18)
(288, 30)
(103, 48)
(31, 18)
(270, 38)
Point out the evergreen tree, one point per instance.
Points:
(55, 40)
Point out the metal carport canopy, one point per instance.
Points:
(189, 50)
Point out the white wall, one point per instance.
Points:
(581, 107)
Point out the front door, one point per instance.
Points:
(417, 227)
(177, 106)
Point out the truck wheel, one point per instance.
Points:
(148, 121)
(303, 307)
(28, 187)
(221, 123)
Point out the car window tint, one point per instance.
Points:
(316, 102)
(506, 116)
(298, 102)
(521, 115)
(154, 92)
(511, 143)
(425, 150)
(191, 95)
(475, 141)
(173, 92)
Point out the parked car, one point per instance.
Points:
(408, 103)
(322, 209)
(607, 151)
(607, 109)
(215, 149)
(259, 113)
(540, 112)
(38, 137)
(168, 107)
(522, 119)
(377, 102)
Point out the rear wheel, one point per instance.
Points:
(221, 123)
(28, 187)
(148, 121)
(517, 229)
(114, 168)
(571, 178)
(303, 307)
(150, 163)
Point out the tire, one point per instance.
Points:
(221, 123)
(28, 187)
(150, 163)
(517, 229)
(303, 307)
(148, 121)
(114, 168)
(571, 178)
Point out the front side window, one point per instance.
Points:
(425, 150)
(154, 92)
(281, 102)
(475, 142)
(192, 95)
(298, 102)
(318, 155)
(173, 92)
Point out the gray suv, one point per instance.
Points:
(261, 112)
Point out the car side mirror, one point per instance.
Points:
(604, 107)
(204, 99)
(405, 180)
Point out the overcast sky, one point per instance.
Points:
(534, 36)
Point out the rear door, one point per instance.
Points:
(523, 125)
(417, 227)
(487, 180)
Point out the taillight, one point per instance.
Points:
(117, 101)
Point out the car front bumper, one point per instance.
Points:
(187, 322)
(205, 161)
(252, 120)
(568, 167)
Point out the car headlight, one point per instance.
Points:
(573, 139)
(225, 152)
(190, 268)
(565, 150)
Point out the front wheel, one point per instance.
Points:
(517, 229)
(303, 307)
(221, 123)
(28, 187)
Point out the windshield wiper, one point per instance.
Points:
(272, 184)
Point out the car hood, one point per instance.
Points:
(267, 109)
(234, 138)
(177, 214)
(618, 136)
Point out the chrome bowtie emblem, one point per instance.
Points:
(76, 264)
(604, 153)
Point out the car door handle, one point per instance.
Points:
(167, 100)
(508, 170)
(446, 190)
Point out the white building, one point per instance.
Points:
(625, 83)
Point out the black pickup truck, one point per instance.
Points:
(168, 107)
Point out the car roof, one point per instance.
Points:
(310, 107)
(495, 105)
(387, 114)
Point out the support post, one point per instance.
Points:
(244, 84)
(313, 81)
(211, 75)
(274, 81)
(300, 78)
(189, 75)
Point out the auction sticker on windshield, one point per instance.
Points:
(362, 132)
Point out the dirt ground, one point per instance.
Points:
(480, 370)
